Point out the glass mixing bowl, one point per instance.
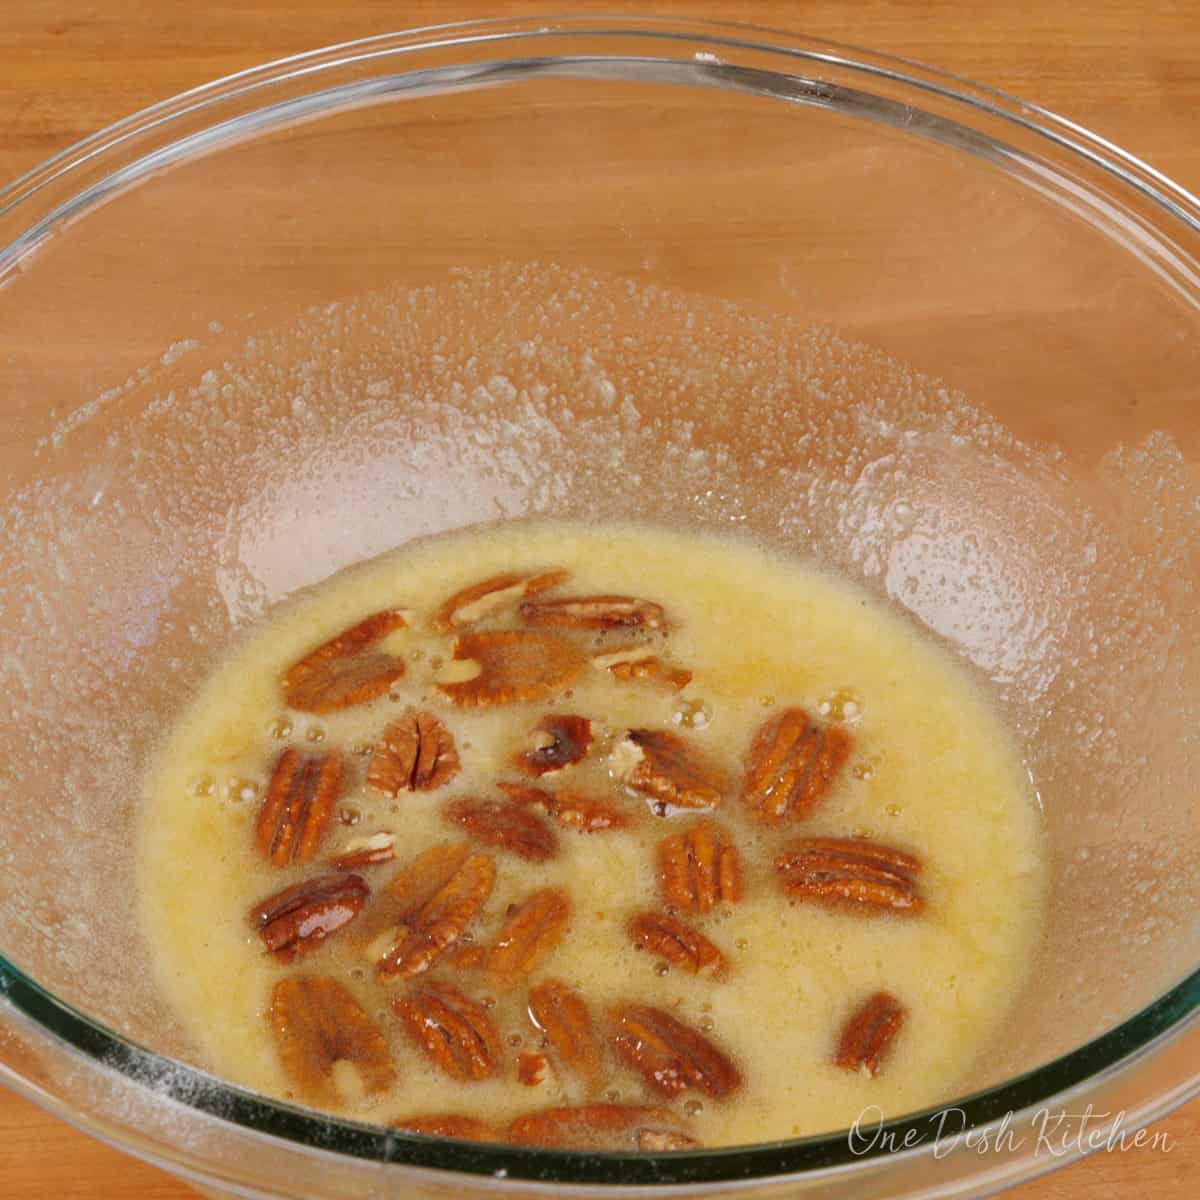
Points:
(939, 339)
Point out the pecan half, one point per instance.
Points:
(850, 873)
(452, 1030)
(655, 1141)
(504, 825)
(514, 665)
(448, 1125)
(298, 806)
(415, 754)
(466, 957)
(677, 942)
(366, 852)
(698, 868)
(652, 669)
(639, 664)
(791, 765)
(301, 917)
(601, 1127)
(316, 1023)
(561, 1014)
(595, 612)
(669, 1055)
(557, 741)
(398, 905)
(532, 1069)
(431, 928)
(672, 772)
(586, 814)
(530, 933)
(412, 887)
(868, 1033)
(348, 669)
(483, 599)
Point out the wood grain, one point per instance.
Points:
(67, 67)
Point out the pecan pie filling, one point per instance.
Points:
(572, 839)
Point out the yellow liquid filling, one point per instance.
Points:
(932, 772)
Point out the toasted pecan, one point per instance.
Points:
(532, 1069)
(316, 1022)
(850, 873)
(869, 1032)
(652, 670)
(298, 919)
(669, 1055)
(466, 956)
(412, 887)
(348, 669)
(514, 665)
(365, 852)
(504, 825)
(792, 764)
(699, 867)
(674, 772)
(595, 612)
(297, 809)
(639, 664)
(402, 899)
(415, 754)
(447, 1125)
(588, 813)
(576, 810)
(602, 1127)
(485, 598)
(677, 942)
(561, 1014)
(530, 933)
(558, 740)
(432, 927)
(452, 1030)
(656, 1141)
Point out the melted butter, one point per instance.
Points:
(933, 772)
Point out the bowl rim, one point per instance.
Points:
(1055, 129)
(34, 200)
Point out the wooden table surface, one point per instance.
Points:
(1128, 71)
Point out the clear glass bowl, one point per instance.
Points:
(940, 339)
